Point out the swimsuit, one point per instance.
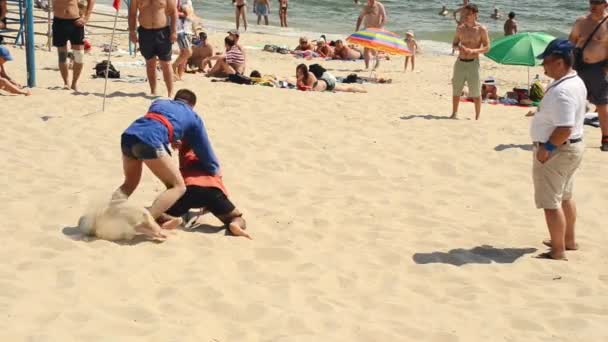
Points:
(155, 43)
(65, 30)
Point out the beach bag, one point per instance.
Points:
(100, 70)
(317, 70)
(240, 79)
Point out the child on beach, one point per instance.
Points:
(240, 10)
(413, 46)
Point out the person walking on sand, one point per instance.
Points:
(283, 4)
(510, 26)
(7, 83)
(240, 11)
(557, 133)
(590, 33)
(68, 26)
(262, 9)
(147, 139)
(471, 40)
(373, 15)
(184, 36)
(156, 34)
(412, 45)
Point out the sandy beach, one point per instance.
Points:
(373, 216)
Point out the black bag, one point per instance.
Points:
(317, 70)
(239, 79)
(100, 70)
(579, 62)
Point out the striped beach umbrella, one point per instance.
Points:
(380, 40)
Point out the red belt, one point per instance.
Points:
(163, 120)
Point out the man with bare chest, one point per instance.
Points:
(373, 15)
(68, 26)
(156, 34)
(594, 67)
(471, 40)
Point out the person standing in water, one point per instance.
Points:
(283, 4)
(240, 11)
(510, 25)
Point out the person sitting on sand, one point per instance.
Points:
(200, 51)
(489, 90)
(147, 139)
(232, 62)
(412, 45)
(323, 49)
(7, 83)
(204, 190)
(304, 45)
(307, 81)
(344, 52)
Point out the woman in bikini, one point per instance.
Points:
(283, 4)
(240, 10)
(307, 81)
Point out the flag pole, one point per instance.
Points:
(105, 87)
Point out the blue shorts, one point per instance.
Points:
(134, 148)
(262, 9)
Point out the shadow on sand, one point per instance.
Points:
(478, 255)
(75, 234)
(502, 147)
(425, 117)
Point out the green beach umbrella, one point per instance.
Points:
(519, 49)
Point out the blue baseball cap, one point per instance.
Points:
(5, 54)
(558, 46)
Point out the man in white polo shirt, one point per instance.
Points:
(557, 133)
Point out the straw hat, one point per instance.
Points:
(410, 33)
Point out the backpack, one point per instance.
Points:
(100, 70)
(317, 70)
(536, 91)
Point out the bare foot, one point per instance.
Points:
(236, 230)
(569, 246)
(552, 256)
(454, 116)
(172, 223)
(26, 92)
(66, 87)
(74, 87)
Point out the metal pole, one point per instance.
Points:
(131, 47)
(49, 38)
(29, 43)
(105, 87)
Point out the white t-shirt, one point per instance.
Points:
(564, 105)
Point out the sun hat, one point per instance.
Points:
(410, 33)
(5, 54)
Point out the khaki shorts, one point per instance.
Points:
(554, 179)
(466, 72)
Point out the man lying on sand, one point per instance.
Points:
(147, 139)
(7, 83)
(204, 190)
(344, 52)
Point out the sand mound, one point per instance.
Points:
(112, 221)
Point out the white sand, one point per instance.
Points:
(372, 217)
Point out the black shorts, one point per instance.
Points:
(155, 43)
(134, 148)
(596, 82)
(65, 30)
(212, 199)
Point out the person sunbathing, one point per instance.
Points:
(307, 81)
(304, 45)
(230, 63)
(344, 52)
(324, 50)
(200, 51)
(7, 83)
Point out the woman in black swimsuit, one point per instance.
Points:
(240, 10)
(283, 12)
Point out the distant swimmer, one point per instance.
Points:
(496, 15)
(444, 11)
(510, 25)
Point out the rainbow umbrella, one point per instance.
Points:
(380, 40)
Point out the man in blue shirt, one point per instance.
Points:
(147, 140)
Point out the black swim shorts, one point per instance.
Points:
(65, 30)
(596, 82)
(155, 43)
(213, 199)
(134, 148)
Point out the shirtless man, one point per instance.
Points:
(496, 15)
(594, 68)
(323, 49)
(471, 40)
(199, 52)
(262, 9)
(342, 51)
(156, 34)
(510, 25)
(240, 11)
(283, 4)
(68, 26)
(372, 15)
